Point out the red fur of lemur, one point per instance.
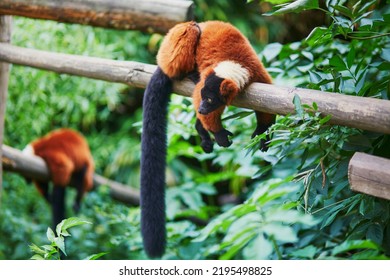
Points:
(222, 63)
(68, 157)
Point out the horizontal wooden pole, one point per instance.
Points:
(34, 167)
(146, 15)
(370, 175)
(354, 111)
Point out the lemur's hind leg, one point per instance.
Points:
(78, 182)
(58, 205)
(43, 188)
(264, 121)
(206, 142)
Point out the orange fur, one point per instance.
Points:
(182, 51)
(221, 41)
(212, 121)
(229, 89)
(185, 49)
(65, 151)
(176, 56)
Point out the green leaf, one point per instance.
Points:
(34, 248)
(72, 222)
(50, 235)
(291, 217)
(96, 256)
(351, 56)
(281, 233)
(350, 245)
(37, 257)
(296, 6)
(298, 105)
(258, 249)
(330, 219)
(338, 63)
(375, 233)
(239, 242)
(318, 36)
(344, 11)
(386, 54)
(49, 248)
(60, 243)
(307, 252)
(239, 115)
(325, 119)
(271, 51)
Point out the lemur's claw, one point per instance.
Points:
(222, 138)
(207, 146)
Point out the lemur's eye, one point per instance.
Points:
(209, 100)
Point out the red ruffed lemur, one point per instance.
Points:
(222, 63)
(70, 163)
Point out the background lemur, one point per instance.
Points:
(226, 64)
(70, 162)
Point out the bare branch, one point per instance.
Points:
(146, 15)
(354, 111)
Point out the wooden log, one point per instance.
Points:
(370, 175)
(34, 167)
(5, 36)
(118, 191)
(354, 111)
(146, 15)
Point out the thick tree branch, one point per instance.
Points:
(34, 167)
(370, 175)
(146, 15)
(354, 111)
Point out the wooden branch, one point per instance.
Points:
(146, 15)
(354, 111)
(35, 167)
(370, 175)
(119, 191)
(5, 36)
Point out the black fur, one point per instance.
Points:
(58, 205)
(153, 163)
(78, 182)
(261, 128)
(206, 142)
(211, 96)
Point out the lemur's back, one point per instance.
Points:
(221, 41)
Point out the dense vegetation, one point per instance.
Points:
(292, 202)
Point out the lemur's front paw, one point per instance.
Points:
(207, 146)
(222, 138)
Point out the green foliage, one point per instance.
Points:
(347, 57)
(256, 228)
(296, 6)
(57, 242)
(291, 202)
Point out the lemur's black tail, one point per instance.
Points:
(153, 163)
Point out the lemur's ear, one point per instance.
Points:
(229, 90)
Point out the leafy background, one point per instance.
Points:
(292, 202)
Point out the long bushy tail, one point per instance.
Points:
(153, 163)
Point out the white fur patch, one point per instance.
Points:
(234, 71)
(28, 150)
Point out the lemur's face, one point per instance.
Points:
(211, 95)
